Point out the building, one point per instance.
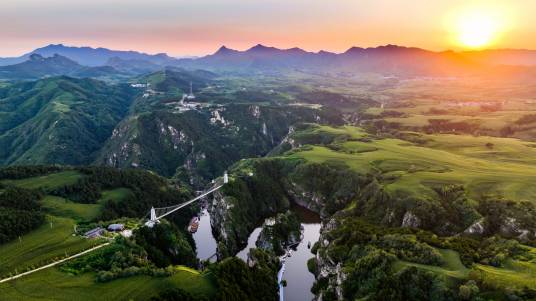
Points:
(139, 85)
(126, 233)
(116, 227)
(94, 233)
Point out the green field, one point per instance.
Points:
(507, 169)
(58, 206)
(47, 182)
(51, 284)
(453, 268)
(42, 246)
(115, 194)
(417, 115)
(55, 239)
(515, 274)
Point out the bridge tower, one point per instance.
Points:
(152, 220)
(225, 178)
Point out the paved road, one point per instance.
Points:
(54, 263)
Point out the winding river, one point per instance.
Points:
(299, 279)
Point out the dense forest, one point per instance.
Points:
(20, 212)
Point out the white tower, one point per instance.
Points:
(191, 95)
(152, 221)
(225, 178)
(153, 214)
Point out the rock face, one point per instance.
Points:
(476, 228)
(220, 221)
(327, 267)
(200, 143)
(410, 220)
(280, 233)
(511, 227)
(308, 199)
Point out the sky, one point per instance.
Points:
(198, 27)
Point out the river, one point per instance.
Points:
(299, 279)
(204, 240)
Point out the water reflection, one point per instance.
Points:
(243, 254)
(204, 240)
(299, 279)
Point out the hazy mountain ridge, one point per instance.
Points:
(38, 66)
(88, 56)
(387, 60)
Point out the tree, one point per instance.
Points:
(468, 290)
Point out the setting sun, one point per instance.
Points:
(477, 30)
(478, 27)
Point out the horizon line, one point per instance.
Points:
(261, 44)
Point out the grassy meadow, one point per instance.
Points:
(47, 182)
(501, 167)
(452, 268)
(51, 284)
(52, 240)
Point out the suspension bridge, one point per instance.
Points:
(156, 214)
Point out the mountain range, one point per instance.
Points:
(38, 66)
(387, 60)
(88, 56)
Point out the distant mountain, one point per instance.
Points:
(38, 66)
(178, 80)
(59, 120)
(387, 60)
(258, 57)
(88, 56)
(133, 66)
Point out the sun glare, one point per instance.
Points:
(478, 30)
(478, 27)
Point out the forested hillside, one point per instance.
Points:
(379, 234)
(58, 120)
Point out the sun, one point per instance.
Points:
(477, 27)
(477, 30)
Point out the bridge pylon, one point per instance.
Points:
(152, 220)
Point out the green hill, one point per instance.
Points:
(177, 81)
(202, 142)
(38, 66)
(58, 120)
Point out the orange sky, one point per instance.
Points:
(181, 27)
